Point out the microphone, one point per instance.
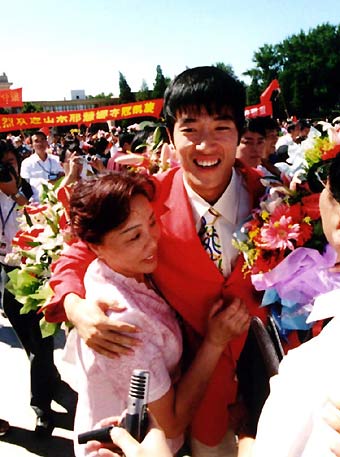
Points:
(98, 434)
(136, 418)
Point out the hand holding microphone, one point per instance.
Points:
(136, 418)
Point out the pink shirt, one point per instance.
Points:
(103, 383)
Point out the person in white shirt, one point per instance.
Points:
(292, 423)
(40, 167)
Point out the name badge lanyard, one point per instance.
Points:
(44, 169)
(4, 221)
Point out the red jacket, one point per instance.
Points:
(190, 282)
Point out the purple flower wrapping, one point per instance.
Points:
(297, 281)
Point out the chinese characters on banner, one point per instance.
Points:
(10, 98)
(152, 108)
(9, 122)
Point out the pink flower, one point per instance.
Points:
(279, 233)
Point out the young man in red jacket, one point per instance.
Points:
(204, 112)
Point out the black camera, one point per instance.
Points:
(7, 173)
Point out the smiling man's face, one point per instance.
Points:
(206, 147)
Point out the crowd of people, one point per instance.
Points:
(153, 281)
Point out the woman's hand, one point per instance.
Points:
(227, 322)
(153, 445)
(103, 335)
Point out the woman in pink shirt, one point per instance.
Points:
(113, 214)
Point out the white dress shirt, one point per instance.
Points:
(37, 171)
(234, 206)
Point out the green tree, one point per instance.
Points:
(227, 68)
(144, 92)
(160, 84)
(253, 91)
(101, 96)
(30, 107)
(307, 66)
(125, 93)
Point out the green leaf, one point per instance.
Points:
(157, 137)
(22, 283)
(29, 254)
(48, 328)
(35, 270)
(44, 293)
(28, 218)
(29, 304)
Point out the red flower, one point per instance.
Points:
(295, 212)
(305, 234)
(311, 206)
(35, 209)
(23, 239)
(267, 260)
(331, 153)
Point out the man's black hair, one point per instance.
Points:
(204, 87)
(303, 124)
(269, 123)
(254, 125)
(125, 137)
(291, 127)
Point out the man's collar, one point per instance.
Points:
(201, 206)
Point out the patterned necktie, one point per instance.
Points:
(209, 237)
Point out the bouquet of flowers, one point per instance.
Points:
(283, 244)
(37, 244)
(155, 155)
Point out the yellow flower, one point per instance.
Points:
(265, 215)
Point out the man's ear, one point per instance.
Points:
(170, 137)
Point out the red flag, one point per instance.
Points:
(264, 108)
(10, 98)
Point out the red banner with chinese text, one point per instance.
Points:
(264, 108)
(10, 122)
(10, 98)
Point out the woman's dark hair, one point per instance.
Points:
(334, 178)
(204, 87)
(102, 204)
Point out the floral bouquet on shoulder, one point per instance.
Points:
(283, 244)
(37, 244)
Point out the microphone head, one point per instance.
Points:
(139, 384)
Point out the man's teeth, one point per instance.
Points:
(207, 163)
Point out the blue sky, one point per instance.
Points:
(50, 47)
